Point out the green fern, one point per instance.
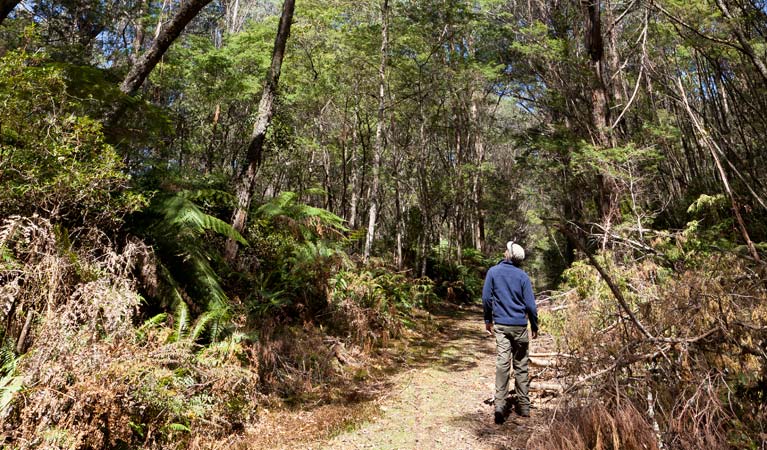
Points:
(311, 220)
(187, 261)
(152, 322)
(10, 384)
(181, 213)
(178, 427)
(181, 320)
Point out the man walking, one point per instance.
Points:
(508, 302)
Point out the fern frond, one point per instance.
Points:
(10, 384)
(154, 321)
(200, 324)
(182, 214)
(210, 197)
(178, 427)
(181, 317)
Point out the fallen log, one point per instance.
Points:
(542, 362)
(547, 387)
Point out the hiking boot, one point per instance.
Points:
(523, 412)
(499, 419)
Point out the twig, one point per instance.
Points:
(617, 364)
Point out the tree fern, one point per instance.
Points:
(178, 229)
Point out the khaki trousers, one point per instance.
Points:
(512, 343)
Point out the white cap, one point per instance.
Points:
(516, 252)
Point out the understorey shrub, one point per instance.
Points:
(697, 372)
(87, 375)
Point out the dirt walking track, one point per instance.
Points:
(439, 398)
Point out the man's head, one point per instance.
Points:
(514, 252)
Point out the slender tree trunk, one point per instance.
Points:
(423, 190)
(745, 46)
(6, 6)
(708, 141)
(143, 67)
(355, 190)
(479, 153)
(234, 21)
(210, 153)
(138, 34)
(247, 180)
(379, 144)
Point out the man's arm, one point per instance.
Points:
(532, 310)
(487, 301)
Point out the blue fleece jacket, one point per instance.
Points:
(507, 296)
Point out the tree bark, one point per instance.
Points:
(600, 111)
(379, 144)
(246, 183)
(6, 6)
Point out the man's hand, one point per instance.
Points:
(489, 328)
(535, 334)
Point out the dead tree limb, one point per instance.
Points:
(605, 276)
(165, 36)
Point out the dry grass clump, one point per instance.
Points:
(595, 427)
(295, 361)
(90, 378)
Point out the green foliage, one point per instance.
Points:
(177, 226)
(298, 247)
(458, 282)
(11, 381)
(55, 162)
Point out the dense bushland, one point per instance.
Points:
(404, 143)
(687, 369)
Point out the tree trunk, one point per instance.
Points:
(138, 34)
(379, 144)
(138, 73)
(479, 152)
(246, 183)
(600, 111)
(6, 6)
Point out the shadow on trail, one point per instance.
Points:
(512, 435)
(456, 344)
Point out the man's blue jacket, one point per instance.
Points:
(507, 296)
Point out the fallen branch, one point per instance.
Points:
(541, 362)
(621, 363)
(547, 387)
(687, 340)
(613, 287)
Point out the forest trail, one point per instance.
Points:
(440, 399)
(443, 402)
